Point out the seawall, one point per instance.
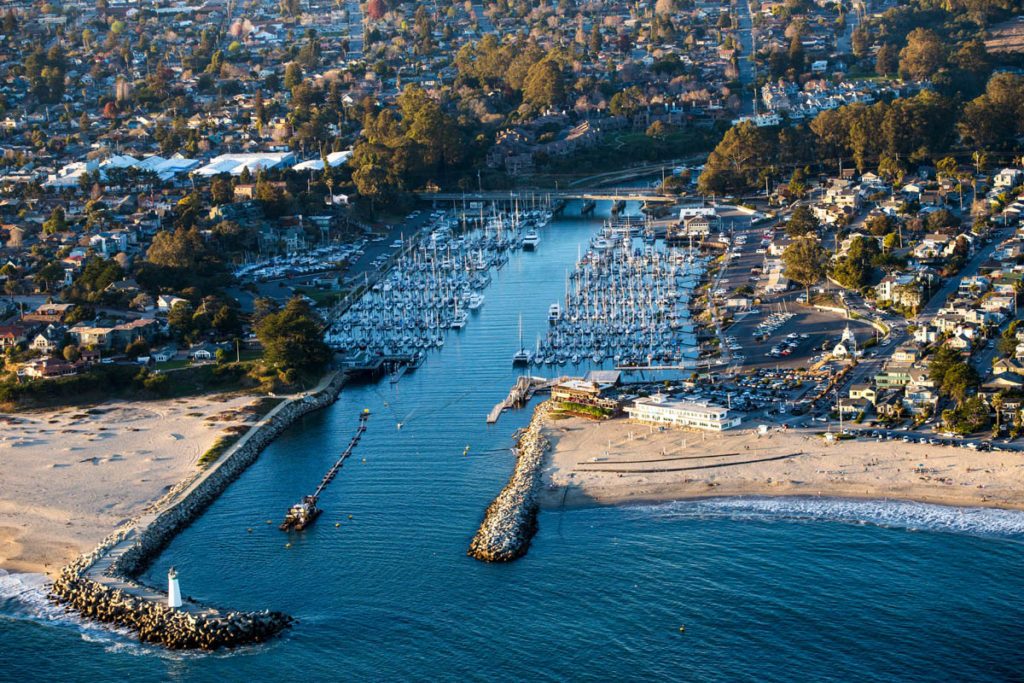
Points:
(511, 519)
(103, 585)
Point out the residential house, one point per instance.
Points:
(49, 339)
(49, 313)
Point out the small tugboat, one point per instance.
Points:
(301, 515)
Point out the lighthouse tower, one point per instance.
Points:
(173, 590)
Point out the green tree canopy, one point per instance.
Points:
(292, 338)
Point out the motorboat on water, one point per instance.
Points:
(530, 240)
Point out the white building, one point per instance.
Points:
(661, 410)
(255, 162)
(847, 346)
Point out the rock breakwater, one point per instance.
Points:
(102, 584)
(511, 519)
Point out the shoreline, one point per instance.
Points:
(71, 475)
(561, 499)
(616, 462)
(103, 584)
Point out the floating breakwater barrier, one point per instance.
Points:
(511, 519)
(103, 584)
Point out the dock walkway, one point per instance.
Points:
(521, 392)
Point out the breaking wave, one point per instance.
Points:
(24, 597)
(906, 515)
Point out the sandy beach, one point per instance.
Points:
(598, 463)
(69, 477)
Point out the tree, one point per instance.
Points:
(994, 119)
(71, 353)
(293, 339)
(958, 380)
(626, 102)
(56, 222)
(997, 406)
(802, 222)
(853, 270)
(805, 261)
(887, 61)
(179, 318)
(136, 348)
(544, 86)
(292, 75)
(226, 321)
(941, 361)
(220, 190)
(49, 275)
(923, 56)
(860, 42)
(738, 160)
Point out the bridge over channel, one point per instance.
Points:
(633, 194)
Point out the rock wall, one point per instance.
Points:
(511, 519)
(99, 594)
(171, 521)
(155, 622)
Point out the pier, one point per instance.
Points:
(521, 392)
(304, 513)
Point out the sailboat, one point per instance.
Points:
(522, 356)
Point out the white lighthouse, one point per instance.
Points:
(173, 590)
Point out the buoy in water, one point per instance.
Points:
(364, 459)
(337, 524)
(249, 530)
(682, 629)
(287, 545)
(269, 522)
(350, 516)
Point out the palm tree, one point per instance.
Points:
(997, 405)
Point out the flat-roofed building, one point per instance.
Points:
(661, 410)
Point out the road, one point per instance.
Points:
(355, 29)
(748, 74)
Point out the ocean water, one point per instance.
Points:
(768, 590)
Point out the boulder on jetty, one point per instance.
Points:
(511, 519)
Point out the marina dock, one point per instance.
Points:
(521, 392)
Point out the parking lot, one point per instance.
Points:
(791, 338)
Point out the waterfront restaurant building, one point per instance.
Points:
(661, 410)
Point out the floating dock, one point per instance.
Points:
(304, 513)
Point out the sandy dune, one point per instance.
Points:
(618, 461)
(69, 477)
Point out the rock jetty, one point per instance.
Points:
(155, 622)
(511, 519)
(103, 584)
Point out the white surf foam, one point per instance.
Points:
(883, 513)
(25, 597)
